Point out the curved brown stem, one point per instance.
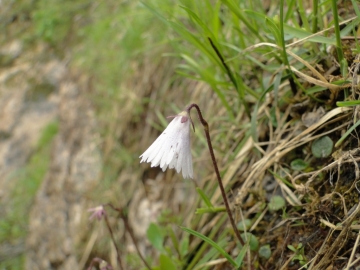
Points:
(114, 242)
(206, 129)
(131, 233)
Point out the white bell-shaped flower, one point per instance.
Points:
(172, 148)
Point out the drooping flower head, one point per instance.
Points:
(172, 148)
(97, 212)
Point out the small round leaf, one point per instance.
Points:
(265, 251)
(322, 147)
(246, 222)
(253, 243)
(277, 202)
(298, 164)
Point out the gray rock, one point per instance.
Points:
(56, 225)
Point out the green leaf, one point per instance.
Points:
(300, 33)
(253, 127)
(155, 237)
(252, 240)
(204, 197)
(184, 246)
(239, 259)
(344, 67)
(343, 137)
(173, 238)
(247, 222)
(298, 164)
(346, 31)
(211, 243)
(290, 30)
(281, 177)
(234, 7)
(277, 82)
(166, 263)
(356, 8)
(273, 119)
(322, 147)
(206, 29)
(349, 103)
(265, 251)
(292, 248)
(315, 89)
(276, 203)
(196, 41)
(207, 210)
(273, 27)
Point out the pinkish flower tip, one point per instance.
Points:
(172, 148)
(97, 212)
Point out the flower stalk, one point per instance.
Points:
(118, 257)
(207, 134)
(131, 233)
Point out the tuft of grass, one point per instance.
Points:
(258, 59)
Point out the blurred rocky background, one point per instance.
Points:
(83, 87)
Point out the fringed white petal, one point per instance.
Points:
(172, 148)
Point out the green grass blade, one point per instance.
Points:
(343, 137)
(290, 10)
(211, 243)
(204, 197)
(272, 26)
(199, 255)
(302, 13)
(239, 259)
(253, 127)
(200, 211)
(239, 13)
(154, 11)
(290, 30)
(196, 41)
(282, 179)
(282, 36)
(315, 16)
(300, 33)
(348, 103)
(208, 78)
(196, 18)
(337, 35)
(315, 89)
(277, 82)
(356, 8)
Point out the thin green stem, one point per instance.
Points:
(303, 15)
(207, 133)
(337, 31)
(210, 210)
(315, 16)
(285, 58)
(199, 253)
(232, 78)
